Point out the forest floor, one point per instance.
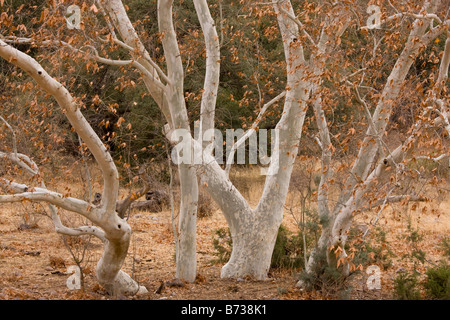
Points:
(34, 260)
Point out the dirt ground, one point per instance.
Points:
(34, 260)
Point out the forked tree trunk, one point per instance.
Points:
(363, 176)
(254, 231)
(253, 243)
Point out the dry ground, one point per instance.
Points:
(34, 259)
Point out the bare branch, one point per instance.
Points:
(435, 159)
(250, 131)
(381, 144)
(13, 135)
(82, 231)
(390, 199)
(23, 192)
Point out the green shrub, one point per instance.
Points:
(223, 244)
(370, 251)
(445, 246)
(437, 284)
(327, 279)
(406, 287)
(288, 250)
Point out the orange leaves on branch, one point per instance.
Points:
(332, 148)
(93, 8)
(5, 19)
(338, 251)
(340, 261)
(119, 122)
(44, 15)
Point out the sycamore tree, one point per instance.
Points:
(112, 230)
(381, 169)
(335, 55)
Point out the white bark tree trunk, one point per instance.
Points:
(187, 227)
(170, 100)
(253, 241)
(212, 75)
(254, 231)
(363, 176)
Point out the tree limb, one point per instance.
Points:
(75, 117)
(212, 76)
(249, 132)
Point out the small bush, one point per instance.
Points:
(368, 251)
(288, 250)
(323, 277)
(437, 284)
(222, 244)
(406, 287)
(445, 246)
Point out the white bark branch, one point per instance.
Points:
(79, 123)
(22, 192)
(435, 159)
(429, 16)
(212, 76)
(121, 21)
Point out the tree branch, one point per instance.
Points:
(426, 16)
(75, 117)
(250, 131)
(212, 77)
(121, 21)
